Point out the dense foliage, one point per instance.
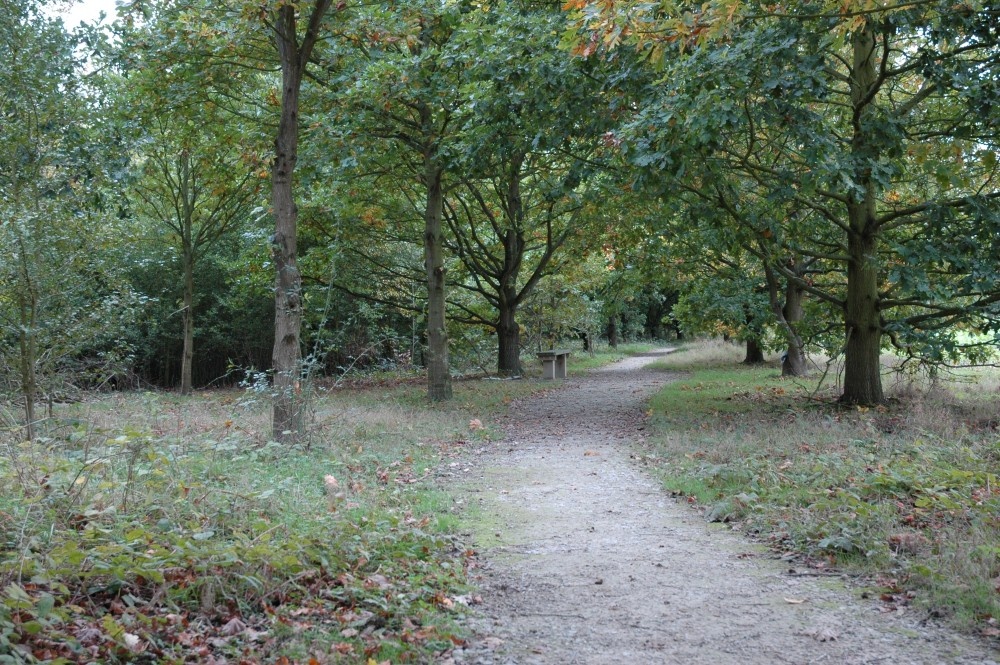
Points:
(816, 178)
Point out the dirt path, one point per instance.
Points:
(586, 560)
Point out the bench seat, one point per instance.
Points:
(553, 363)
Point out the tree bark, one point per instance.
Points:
(438, 372)
(187, 355)
(788, 314)
(509, 339)
(862, 364)
(286, 422)
(27, 297)
(755, 354)
(613, 332)
(862, 321)
(794, 363)
(29, 351)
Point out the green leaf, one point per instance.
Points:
(32, 627)
(45, 605)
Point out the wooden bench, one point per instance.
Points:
(553, 363)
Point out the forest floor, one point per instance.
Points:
(584, 558)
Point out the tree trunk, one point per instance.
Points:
(438, 372)
(27, 297)
(862, 322)
(286, 422)
(509, 339)
(508, 332)
(755, 354)
(794, 363)
(862, 364)
(29, 351)
(788, 315)
(613, 332)
(187, 355)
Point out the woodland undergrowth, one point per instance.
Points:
(147, 527)
(906, 495)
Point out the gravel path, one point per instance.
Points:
(586, 560)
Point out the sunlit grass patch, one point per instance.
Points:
(702, 354)
(582, 361)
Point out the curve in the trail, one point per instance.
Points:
(586, 560)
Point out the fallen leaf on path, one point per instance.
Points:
(468, 600)
(822, 634)
(794, 601)
(591, 453)
(492, 642)
(475, 424)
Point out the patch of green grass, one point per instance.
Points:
(149, 523)
(907, 493)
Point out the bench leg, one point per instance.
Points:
(548, 368)
(560, 369)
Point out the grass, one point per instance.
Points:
(147, 527)
(581, 362)
(905, 494)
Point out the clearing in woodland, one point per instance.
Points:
(584, 558)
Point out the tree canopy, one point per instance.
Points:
(808, 177)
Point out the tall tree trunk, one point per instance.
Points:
(755, 354)
(187, 355)
(286, 422)
(794, 363)
(613, 332)
(438, 372)
(29, 351)
(862, 364)
(862, 322)
(508, 332)
(509, 340)
(27, 297)
(286, 357)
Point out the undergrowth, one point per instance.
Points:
(905, 494)
(154, 528)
